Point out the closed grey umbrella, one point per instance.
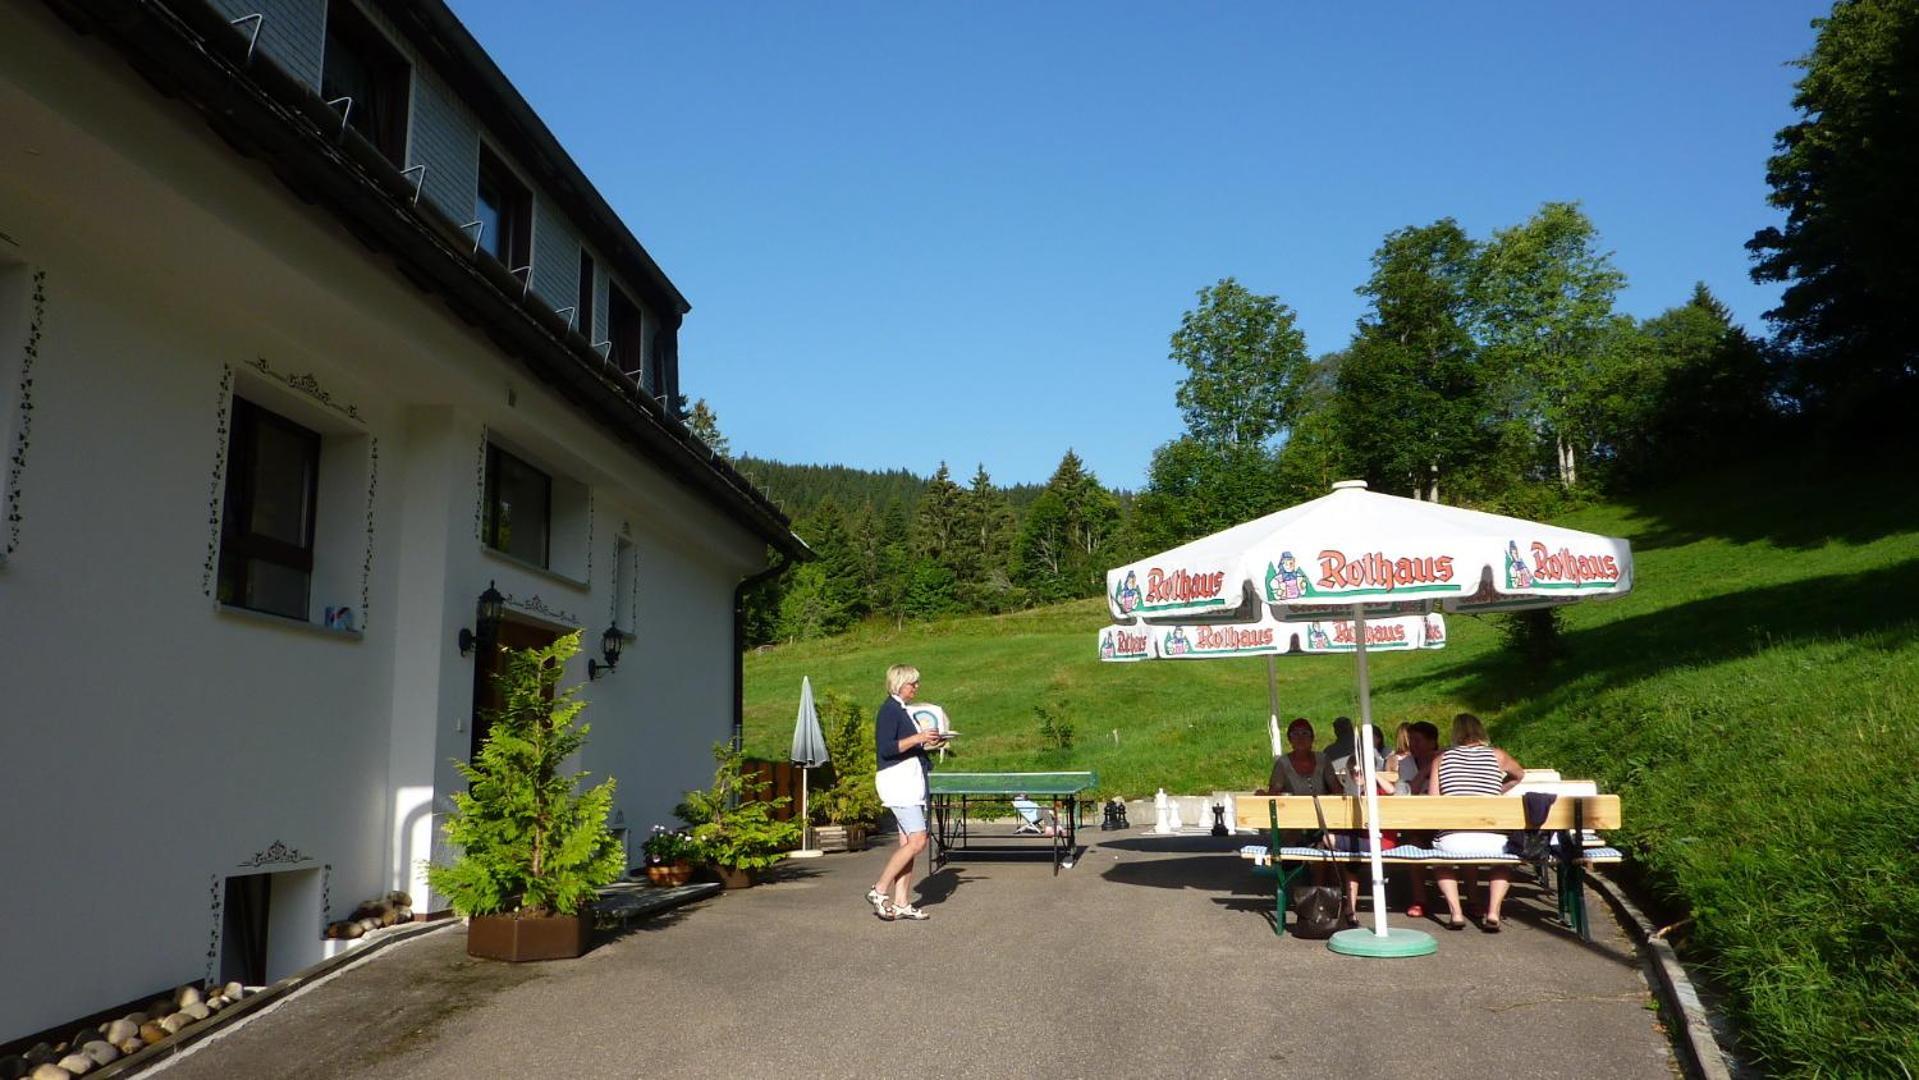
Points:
(809, 751)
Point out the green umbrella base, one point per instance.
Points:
(1397, 942)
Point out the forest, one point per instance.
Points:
(1491, 371)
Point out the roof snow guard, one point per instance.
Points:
(190, 52)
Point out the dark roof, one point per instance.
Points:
(189, 52)
(453, 53)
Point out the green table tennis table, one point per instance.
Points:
(950, 793)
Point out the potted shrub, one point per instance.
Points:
(733, 829)
(669, 856)
(534, 848)
(850, 805)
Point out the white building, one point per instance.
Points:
(279, 399)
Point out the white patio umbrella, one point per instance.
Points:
(1270, 638)
(1362, 555)
(809, 752)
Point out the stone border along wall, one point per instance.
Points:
(170, 1020)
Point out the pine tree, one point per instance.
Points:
(939, 519)
(984, 546)
(703, 422)
(529, 840)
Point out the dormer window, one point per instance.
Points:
(363, 67)
(504, 208)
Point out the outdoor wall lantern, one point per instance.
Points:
(611, 643)
(492, 608)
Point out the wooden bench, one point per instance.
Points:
(1570, 815)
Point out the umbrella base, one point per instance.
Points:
(1397, 942)
(805, 853)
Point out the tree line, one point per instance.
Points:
(1491, 371)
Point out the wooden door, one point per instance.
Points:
(488, 663)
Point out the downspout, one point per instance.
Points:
(779, 564)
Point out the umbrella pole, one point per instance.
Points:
(1379, 941)
(1272, 705)
(1364, 748)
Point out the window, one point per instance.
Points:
(505, 209)
(625, 327)
(266, 536)
(519, 507)
(362, 66)
(585, 320)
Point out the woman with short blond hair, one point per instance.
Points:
(901, 748)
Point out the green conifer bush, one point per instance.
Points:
(530, 840)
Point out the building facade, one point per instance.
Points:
(309, 334)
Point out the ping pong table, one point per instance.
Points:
(951, 793)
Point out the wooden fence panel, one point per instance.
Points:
(780, 778)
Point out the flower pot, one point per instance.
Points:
(520, 938)
(732, 877)
(670, 874)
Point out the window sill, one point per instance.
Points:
(284, 623)
(533, 568)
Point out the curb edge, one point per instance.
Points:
(1700, 1048)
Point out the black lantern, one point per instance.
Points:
(492, 608)
(611, 643)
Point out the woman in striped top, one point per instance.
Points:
(1472, 766)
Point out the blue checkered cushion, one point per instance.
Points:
(1259, 852)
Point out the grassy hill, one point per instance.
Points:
(1755, 699)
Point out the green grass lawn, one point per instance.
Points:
(1753, 700)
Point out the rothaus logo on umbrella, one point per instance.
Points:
(1341, 573)
(1562, 569)
(1178, 588)
(1117, 644)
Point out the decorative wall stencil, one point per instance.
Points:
(217, 901)
(276, 852)
(326, 896)
(366, 568)
(216, 490)
(23, 433)
(533, 605)
(589, 539)
(309, 385)
(479, 490)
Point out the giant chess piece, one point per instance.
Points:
(1173, 824)
(1219, 819)
(1164, 816)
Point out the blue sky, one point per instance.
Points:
(916, 232)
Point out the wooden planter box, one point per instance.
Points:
(516, 939)
(729, 878)
(840, 837)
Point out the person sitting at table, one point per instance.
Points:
(1301, 770)
(1473, 766)
(1415, 750)
(1341, 746)
(1352, 776)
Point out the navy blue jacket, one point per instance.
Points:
(890, 725)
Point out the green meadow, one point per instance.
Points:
(1753, 700)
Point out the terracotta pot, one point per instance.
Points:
(731, 878)
(672, 874)
(517, 939)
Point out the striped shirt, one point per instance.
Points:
(1471, 770)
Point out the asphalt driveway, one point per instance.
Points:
(1154, 956)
